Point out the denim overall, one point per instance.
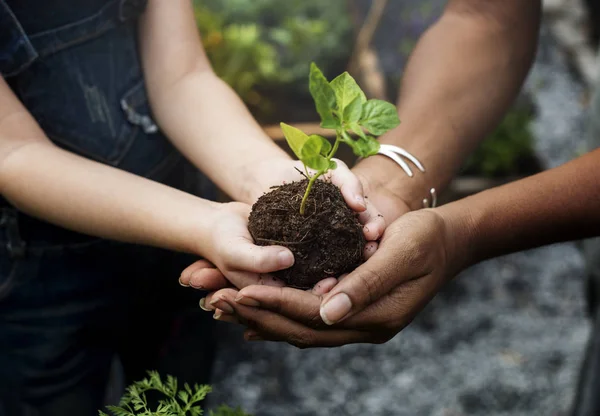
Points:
(70, 303)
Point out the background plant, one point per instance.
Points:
(174, 401)
(344, 108)
(507, 148)
(263, 45)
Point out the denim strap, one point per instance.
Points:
(115, 13)
(16, 52)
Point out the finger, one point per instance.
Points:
(208, 279)
(270, 326)
(370, 249)
(298, 305)
(388, 267)
(373, 222)
(217, 299)
(186, 274)
(243, 255)
(350, 186)
(395, 310)
(225, 317)
(324, 286)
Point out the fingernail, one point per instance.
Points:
(181, 283)
(361, 201)
(244, 300)
(223, 305)
(286, 259)
(204, 308)
(217, 315)
(199, 287)
(336, 308)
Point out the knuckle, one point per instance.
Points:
(372, 283)
(302, 340)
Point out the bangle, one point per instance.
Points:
(395, 153)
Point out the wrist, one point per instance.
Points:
(382, 176)
(460, 235)
(258, 176)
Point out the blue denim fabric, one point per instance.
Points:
(70, 302)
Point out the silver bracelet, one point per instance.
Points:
(396, 153)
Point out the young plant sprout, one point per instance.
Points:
(343, 107)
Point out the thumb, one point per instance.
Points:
(246, 256)
(364, 286)
(350, 186)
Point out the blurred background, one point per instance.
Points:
(505, 338)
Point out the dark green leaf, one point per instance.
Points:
(379, 117)
(326, 145)
(346, 91)
(324, 97)
(365, 147)
(311, 154)
(295, 138)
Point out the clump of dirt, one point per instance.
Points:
(326, 241)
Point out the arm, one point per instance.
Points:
(76, 193)
(560, 204)
(47, 182)
(199, 113)
(462, 76)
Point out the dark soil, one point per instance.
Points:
(326, 241)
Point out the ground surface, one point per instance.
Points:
(505, 338)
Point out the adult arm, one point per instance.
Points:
(462, 76)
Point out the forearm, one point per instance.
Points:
(461, 78)
(560, 204)
(200, 114)
(209, 124)
(75, 193)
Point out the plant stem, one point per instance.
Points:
(312, 180)
(310, 184)
(335, 147)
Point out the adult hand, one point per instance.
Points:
(417, 255)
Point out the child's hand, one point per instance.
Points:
(233, 257)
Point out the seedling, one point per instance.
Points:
(343, 107)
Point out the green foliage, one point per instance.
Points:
(343, 107)
(175, 401)
(260, 45)
(503, 152)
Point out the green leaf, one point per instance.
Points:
(353, 111)
(311, 154)
(379, 117)
(357, 129)
(346, 91)
(332, 165)
(324, 97)
(295, 138)
(326, 145)
(364, 147)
